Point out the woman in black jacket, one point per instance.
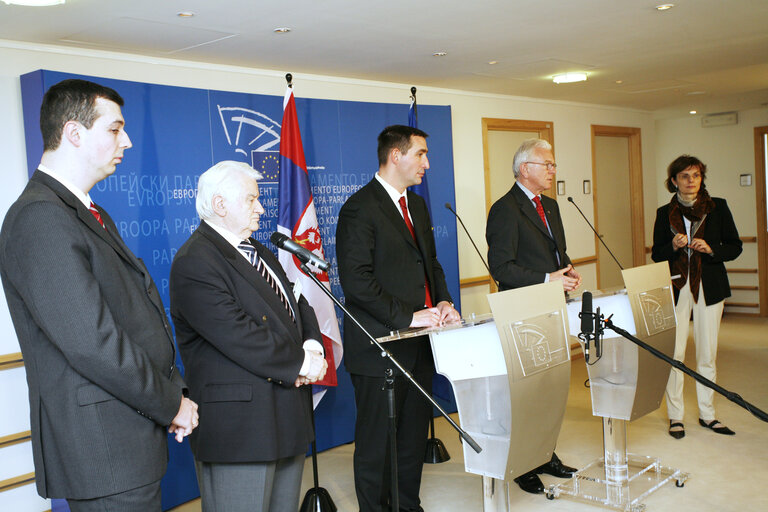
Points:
(695, 233)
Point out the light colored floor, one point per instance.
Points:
(726, 473)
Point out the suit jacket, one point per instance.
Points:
(721, 235)
(382, 272)
(242, 352)
(520, 249)
(97, 346)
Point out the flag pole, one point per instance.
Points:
(436, 451)
(317, 499)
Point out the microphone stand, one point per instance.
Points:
(570, 200)
(733, 397)
(448, 206)
(390, 388)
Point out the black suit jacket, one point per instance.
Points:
(382, 272)
(97, 346)
(721, 235)
(241, 351)
(520, 249)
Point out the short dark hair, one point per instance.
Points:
(71, 100)
(396, 136)
(680, 164)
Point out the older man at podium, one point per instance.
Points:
(526, 246)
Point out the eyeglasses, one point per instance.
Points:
(549, 165)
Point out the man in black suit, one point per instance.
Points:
(97, 345)
(526, 245)
(391, 280)
(249, 343)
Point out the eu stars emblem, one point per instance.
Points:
(267, 163)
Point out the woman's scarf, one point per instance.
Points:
(687, 262)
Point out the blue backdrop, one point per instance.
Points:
(178, 133)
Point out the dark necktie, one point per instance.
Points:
(540, 210)
(96, 214)
(409, 225)
(250, 252)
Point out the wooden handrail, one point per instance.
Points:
(8, 361)
(19, 437)
(16, 481)
(474, 281)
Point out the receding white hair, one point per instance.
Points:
(218, 181)
(525, 150)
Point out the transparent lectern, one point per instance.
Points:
(510, 375)
(627, 383)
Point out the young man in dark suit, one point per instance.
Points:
(249, 344)
(97, 345)
(391, 280)
(526, 245)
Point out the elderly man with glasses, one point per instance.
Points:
(526, 246)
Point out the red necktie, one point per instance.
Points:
(540, 210)
(96, 214)
(407, 218)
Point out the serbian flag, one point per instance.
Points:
(297, 219)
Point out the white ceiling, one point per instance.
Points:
(708, 55)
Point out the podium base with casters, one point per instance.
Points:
(624, 481)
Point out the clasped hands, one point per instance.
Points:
(697, 244)
(443, 313)
(186, 419)
(568, 275)
(317, 368)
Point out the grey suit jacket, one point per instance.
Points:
(97, 346)
(242, 352)
(521, 250)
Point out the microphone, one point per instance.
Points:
(285, 243)
(586, 322)
(448, 206)
(570, 200)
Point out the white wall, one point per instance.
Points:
(728, 151)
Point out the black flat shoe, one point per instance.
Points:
(677, 434)
(555, 467)
(530, 482)
(722, 429)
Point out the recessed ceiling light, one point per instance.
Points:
(619, 82)
(492, 62)
(34, 3)
(567, 78)
(282, 30)
(440, 54)
(185, 14)
(695, 93)
(691, 112)
(664, 7)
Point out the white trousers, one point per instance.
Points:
(706, 325)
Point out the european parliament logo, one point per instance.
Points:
(255, 136)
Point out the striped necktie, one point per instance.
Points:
(250, 252)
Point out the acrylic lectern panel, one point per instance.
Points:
(532, 327)
(649, 289)
(472, 360)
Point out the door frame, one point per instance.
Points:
(637, 215)
(545, 129)
(760, 207)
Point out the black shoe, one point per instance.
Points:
(722, 429)
(556, 468)
(677, 434)
(530, 482)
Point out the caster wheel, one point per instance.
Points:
(550, 496)
(678, 483)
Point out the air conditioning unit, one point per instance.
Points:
(721, 119)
